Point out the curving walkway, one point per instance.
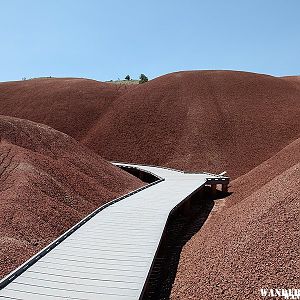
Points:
(111, 254)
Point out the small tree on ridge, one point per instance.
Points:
(143, 78)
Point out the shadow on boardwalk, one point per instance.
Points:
(182, 225)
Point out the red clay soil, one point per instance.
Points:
(251, 239)
(196, 120)
(293, 79)
(200, 120)
(48, 183)
(69, 105)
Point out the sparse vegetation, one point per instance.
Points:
(124, 81)
(143, 78)
(128, 80)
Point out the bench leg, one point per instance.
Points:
(214, 189)
(225, 188)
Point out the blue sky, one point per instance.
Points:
(106, 40)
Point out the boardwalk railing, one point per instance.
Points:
(15, 273)
(110, 253)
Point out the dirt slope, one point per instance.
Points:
(69, 105)
(251, 240)
(196, 120)
(200, 120)
(294, 79)
(48, 183)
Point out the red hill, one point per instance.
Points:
(197, 120)
(200, 120)
(70, 105)
(48, 183)
(251, 239)
(293, 79)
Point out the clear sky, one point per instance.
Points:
(106, 40)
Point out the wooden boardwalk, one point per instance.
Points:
(110, 255)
